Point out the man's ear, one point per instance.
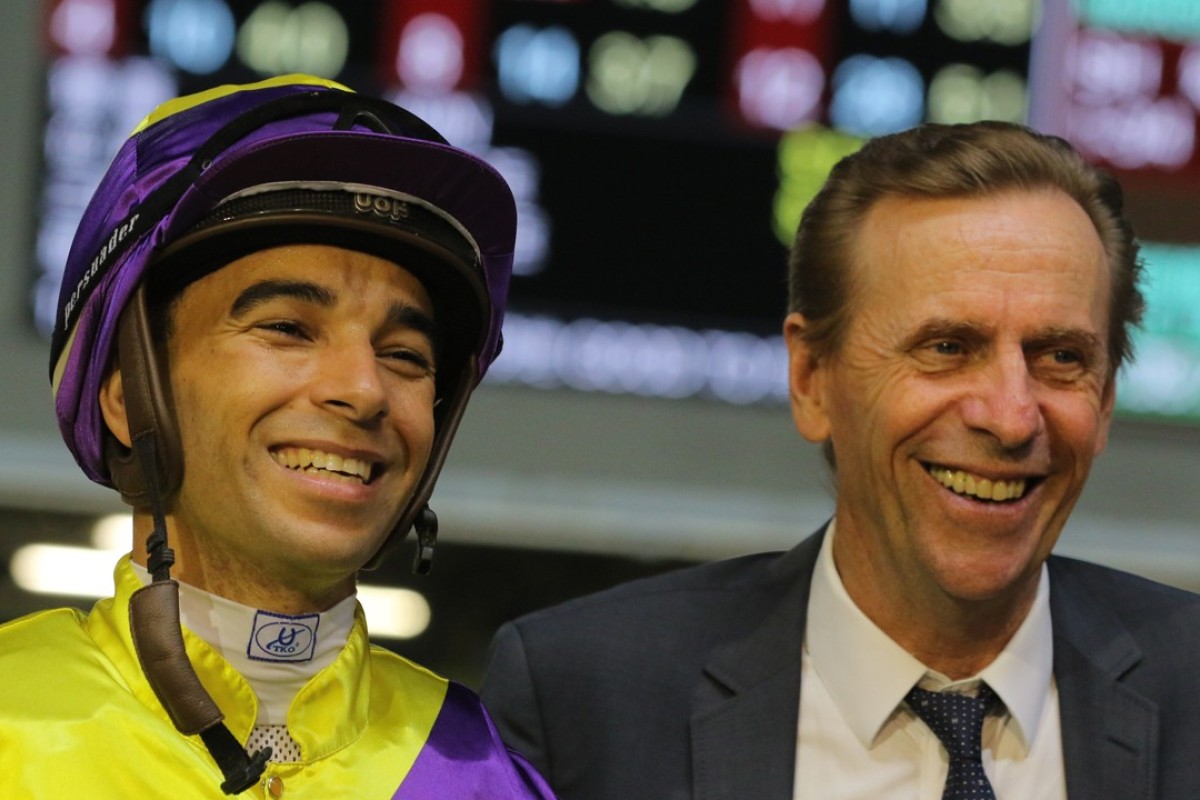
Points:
(806, 382)
(112, 406)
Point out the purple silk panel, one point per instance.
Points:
(464, 759)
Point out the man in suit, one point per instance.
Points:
(960, 303)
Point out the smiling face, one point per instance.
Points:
(967, 400)
(303, 381)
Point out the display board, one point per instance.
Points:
(661, 150)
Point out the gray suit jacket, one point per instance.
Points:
(686, 686)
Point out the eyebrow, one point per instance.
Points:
(265, 291)
(1083, 340)
(399, 314)
(940, 328)
(408, 316)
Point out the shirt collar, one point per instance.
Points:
(329, 712)
(1021, 674)
(242, 634)
(867, 674)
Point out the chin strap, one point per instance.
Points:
(427, 531)
(160, 557)
(158, 642)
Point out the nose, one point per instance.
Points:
(1004, 402)
(349, 381)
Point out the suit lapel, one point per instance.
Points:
(743, 725)
(1110, 732)
(744, 720)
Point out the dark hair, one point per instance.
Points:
(937, 161)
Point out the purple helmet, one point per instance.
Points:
(210, 177)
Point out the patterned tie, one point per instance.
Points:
(957, 719)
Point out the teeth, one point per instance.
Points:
(302, 458)
(962, 483)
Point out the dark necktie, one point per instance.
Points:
(957, 719)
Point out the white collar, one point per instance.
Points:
(868, 674)
(276, 653)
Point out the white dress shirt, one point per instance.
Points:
(857, 741)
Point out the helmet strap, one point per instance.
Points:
(152, 431)
(162, 655)
(447, 415)
(161, 557)
(427, 530)
(145, 480)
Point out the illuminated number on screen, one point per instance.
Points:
(1189, 75)
(194, 35)
(796, 11)
(1108, 68)
(898, 16)
(84, 27)
(1119, 112)
(1008, 22)
(1159, 133)
(277, 38)
(805, 158)
(430, 53)
(779, 88)
(963, 93)
(665, 6)
(628, 75)
(873, 96)
(537, 65)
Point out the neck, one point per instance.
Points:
(962, 648)
(955, 636)
(229, 576)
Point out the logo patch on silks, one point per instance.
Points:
(278, 637)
